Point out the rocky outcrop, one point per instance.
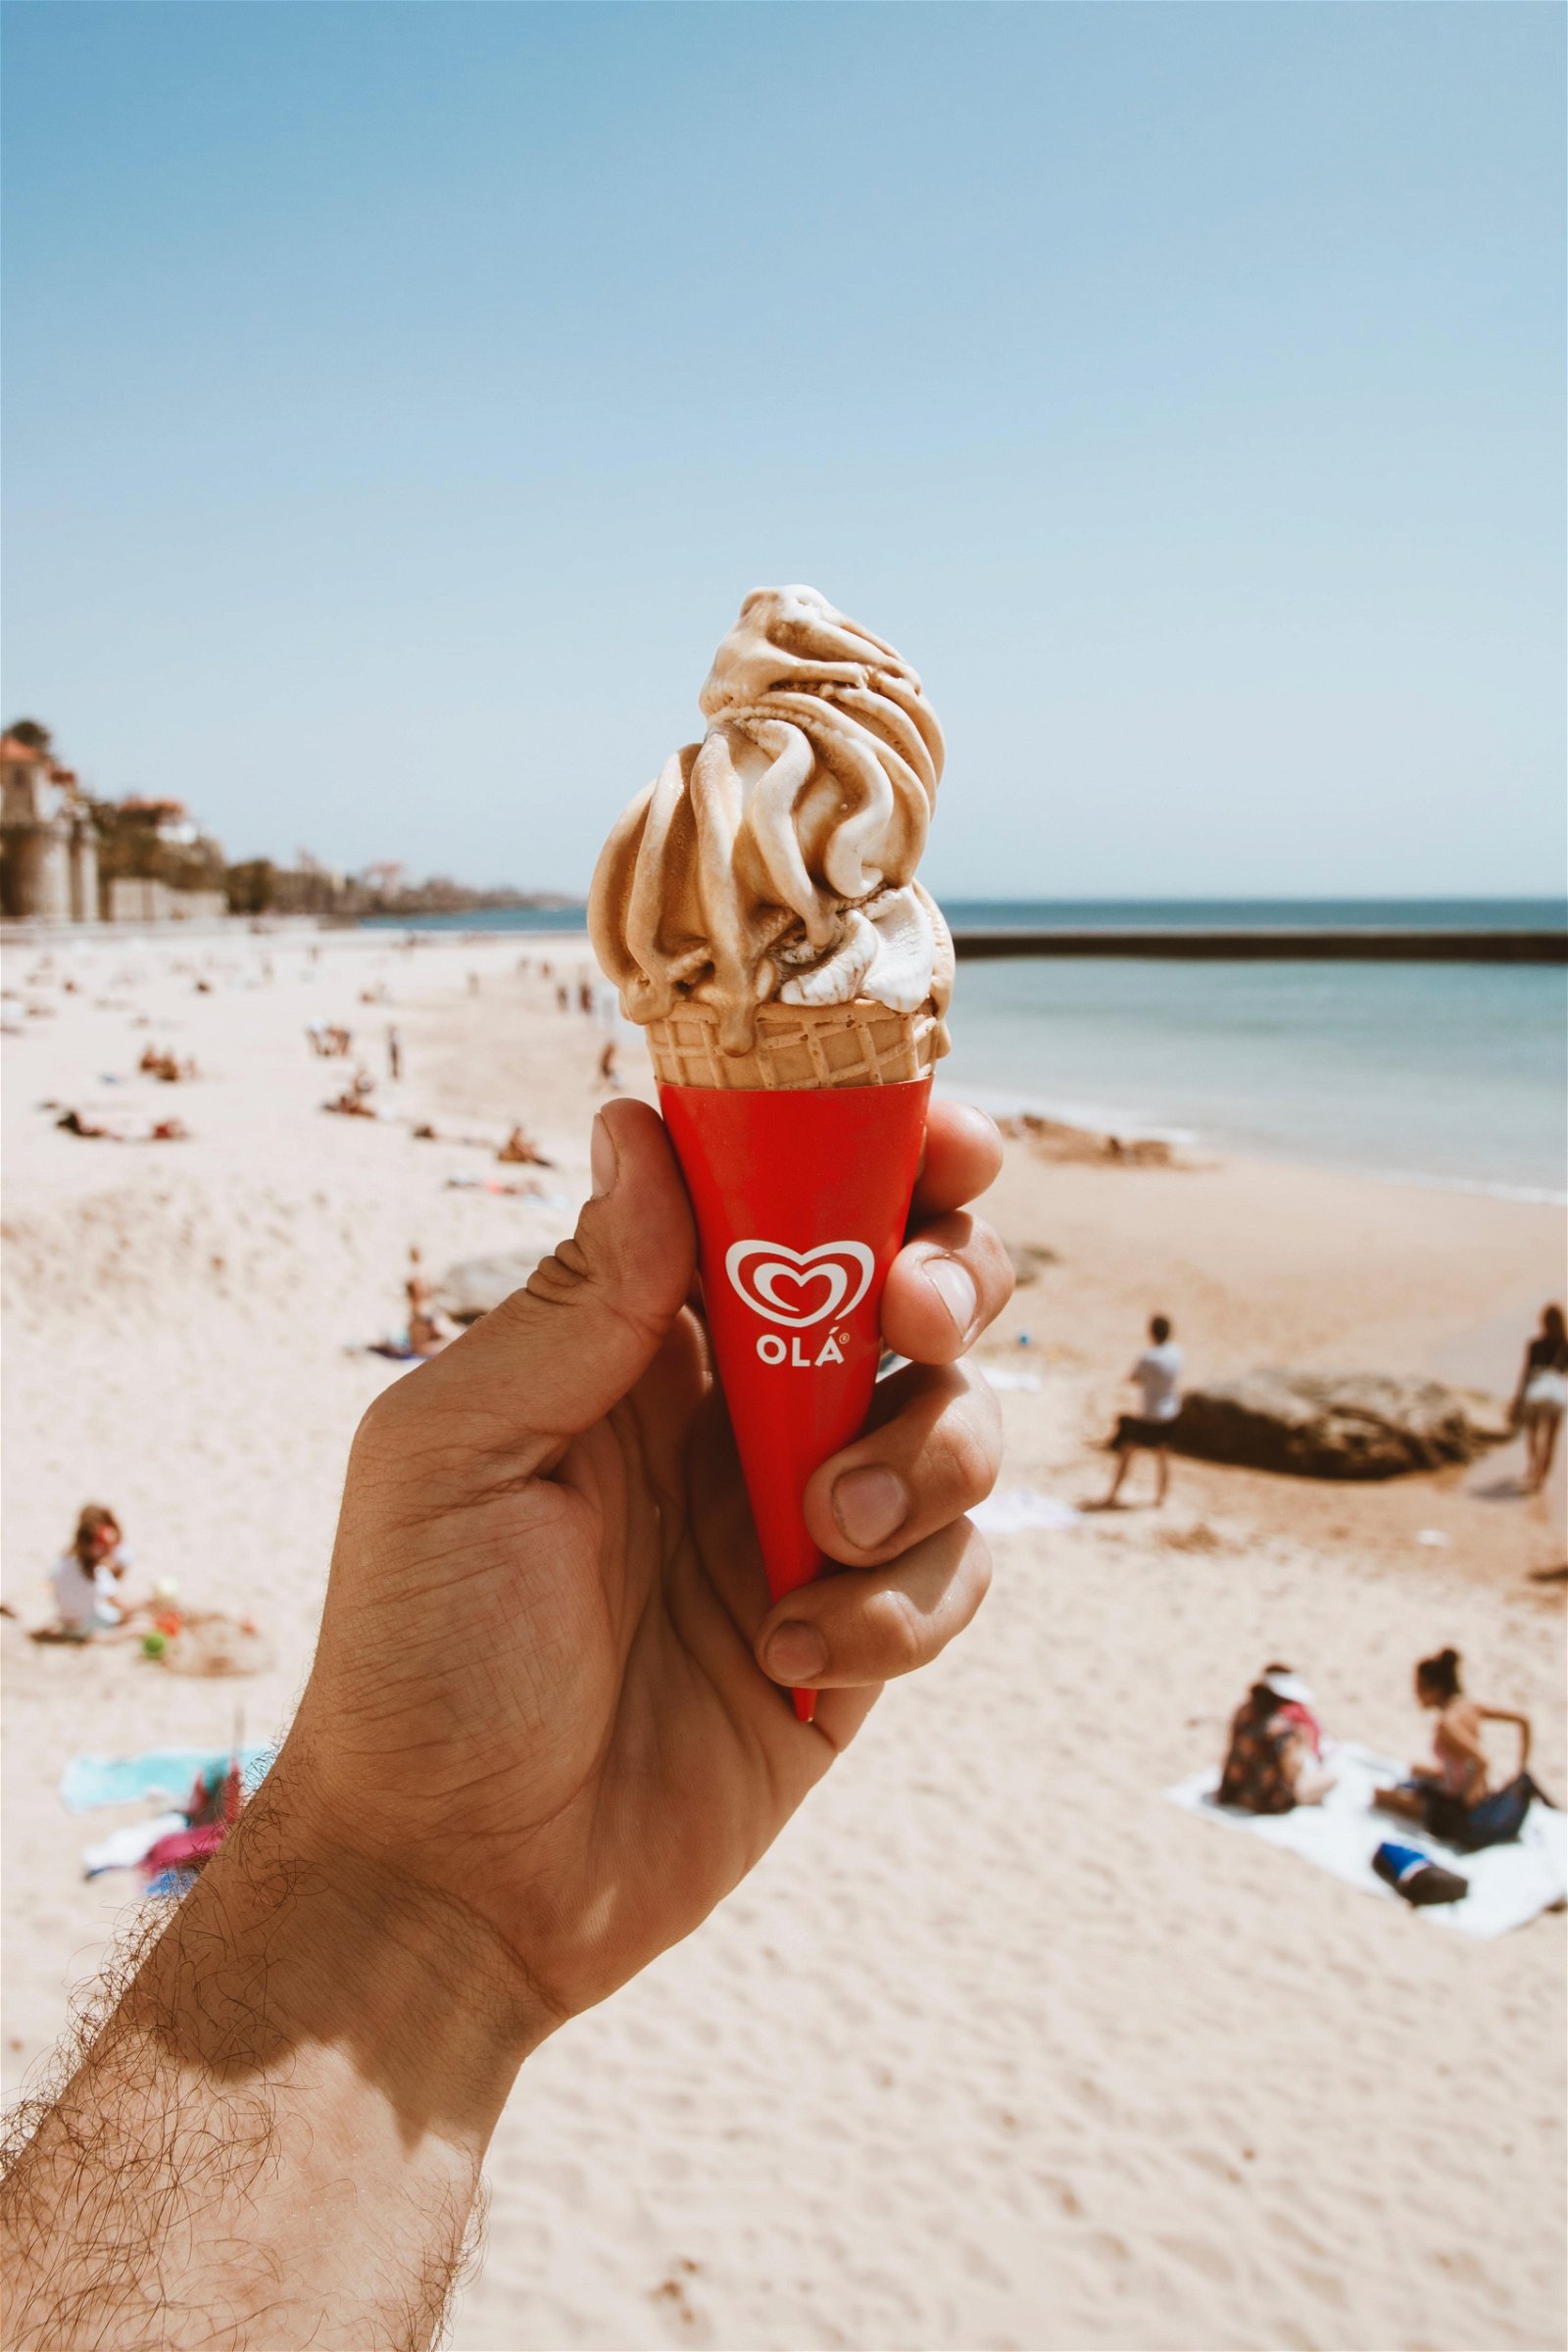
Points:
(1337, 1424)
(1055, 1140)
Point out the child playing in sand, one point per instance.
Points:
(86, 1579)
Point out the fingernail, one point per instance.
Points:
(955, 1289)
(869, 1503)
(602, 1159)
(796, 1652)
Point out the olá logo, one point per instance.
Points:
(800, 1287)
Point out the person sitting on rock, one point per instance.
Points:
(1272, 1763)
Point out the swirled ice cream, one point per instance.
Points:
(773, 863)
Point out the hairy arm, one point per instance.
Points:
(274, 2135)
(546, 1730)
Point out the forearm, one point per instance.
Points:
(275, 2137)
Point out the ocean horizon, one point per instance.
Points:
(1449, 1074)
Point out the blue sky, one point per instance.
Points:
(401, 398)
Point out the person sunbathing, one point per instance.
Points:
(354, 1103)
(1273, 1762)
(166, 1066)
(1441, 1795)
(520, 1151)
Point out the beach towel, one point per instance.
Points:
(168, 1886)
(168, 1772)
(1510, 1885)
(1020, 1507)
(183, 1848)
(123, 1849)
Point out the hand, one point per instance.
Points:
(550, 1688)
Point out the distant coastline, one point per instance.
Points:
(541, 912)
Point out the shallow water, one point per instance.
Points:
(1453, 1073)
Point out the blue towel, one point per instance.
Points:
(90, 1781)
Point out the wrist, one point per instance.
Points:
(292, 1938)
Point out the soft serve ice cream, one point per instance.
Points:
(773, 863)
(757, 909)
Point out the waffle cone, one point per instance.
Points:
(798, 1046)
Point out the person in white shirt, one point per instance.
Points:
(1157, 1376)
(86, 1579)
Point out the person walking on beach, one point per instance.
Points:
(1157, 1377)
(1541, 1396)
(394, 1055)
(547, 1730)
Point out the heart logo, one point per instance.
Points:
(800, 1287)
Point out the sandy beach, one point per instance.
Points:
(997, 2048)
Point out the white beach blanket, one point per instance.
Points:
(1510, 1885)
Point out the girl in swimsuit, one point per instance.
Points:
(1457, 1780)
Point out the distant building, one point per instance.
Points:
(167, 821)
(48, 844)
(140, 898)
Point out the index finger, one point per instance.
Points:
(963, 1157)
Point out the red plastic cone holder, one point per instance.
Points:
(801, 1200)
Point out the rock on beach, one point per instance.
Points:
(1337, 1424)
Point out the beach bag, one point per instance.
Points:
(1417, 1877)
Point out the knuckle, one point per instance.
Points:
(968, 1460)
(898, 1635)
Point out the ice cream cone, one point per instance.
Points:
(801, 1197)
(774, 862)
(798, 1046)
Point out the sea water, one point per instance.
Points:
(1450, 1073)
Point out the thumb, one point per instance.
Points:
(557, 1354)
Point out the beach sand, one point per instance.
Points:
(995, 2048)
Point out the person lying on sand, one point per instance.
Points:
(161, 1131)
(1273, 1762)
(547, 1728)
(1157, 1377)
(87, 1582)
(1439, 1795)
(517, 1150)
